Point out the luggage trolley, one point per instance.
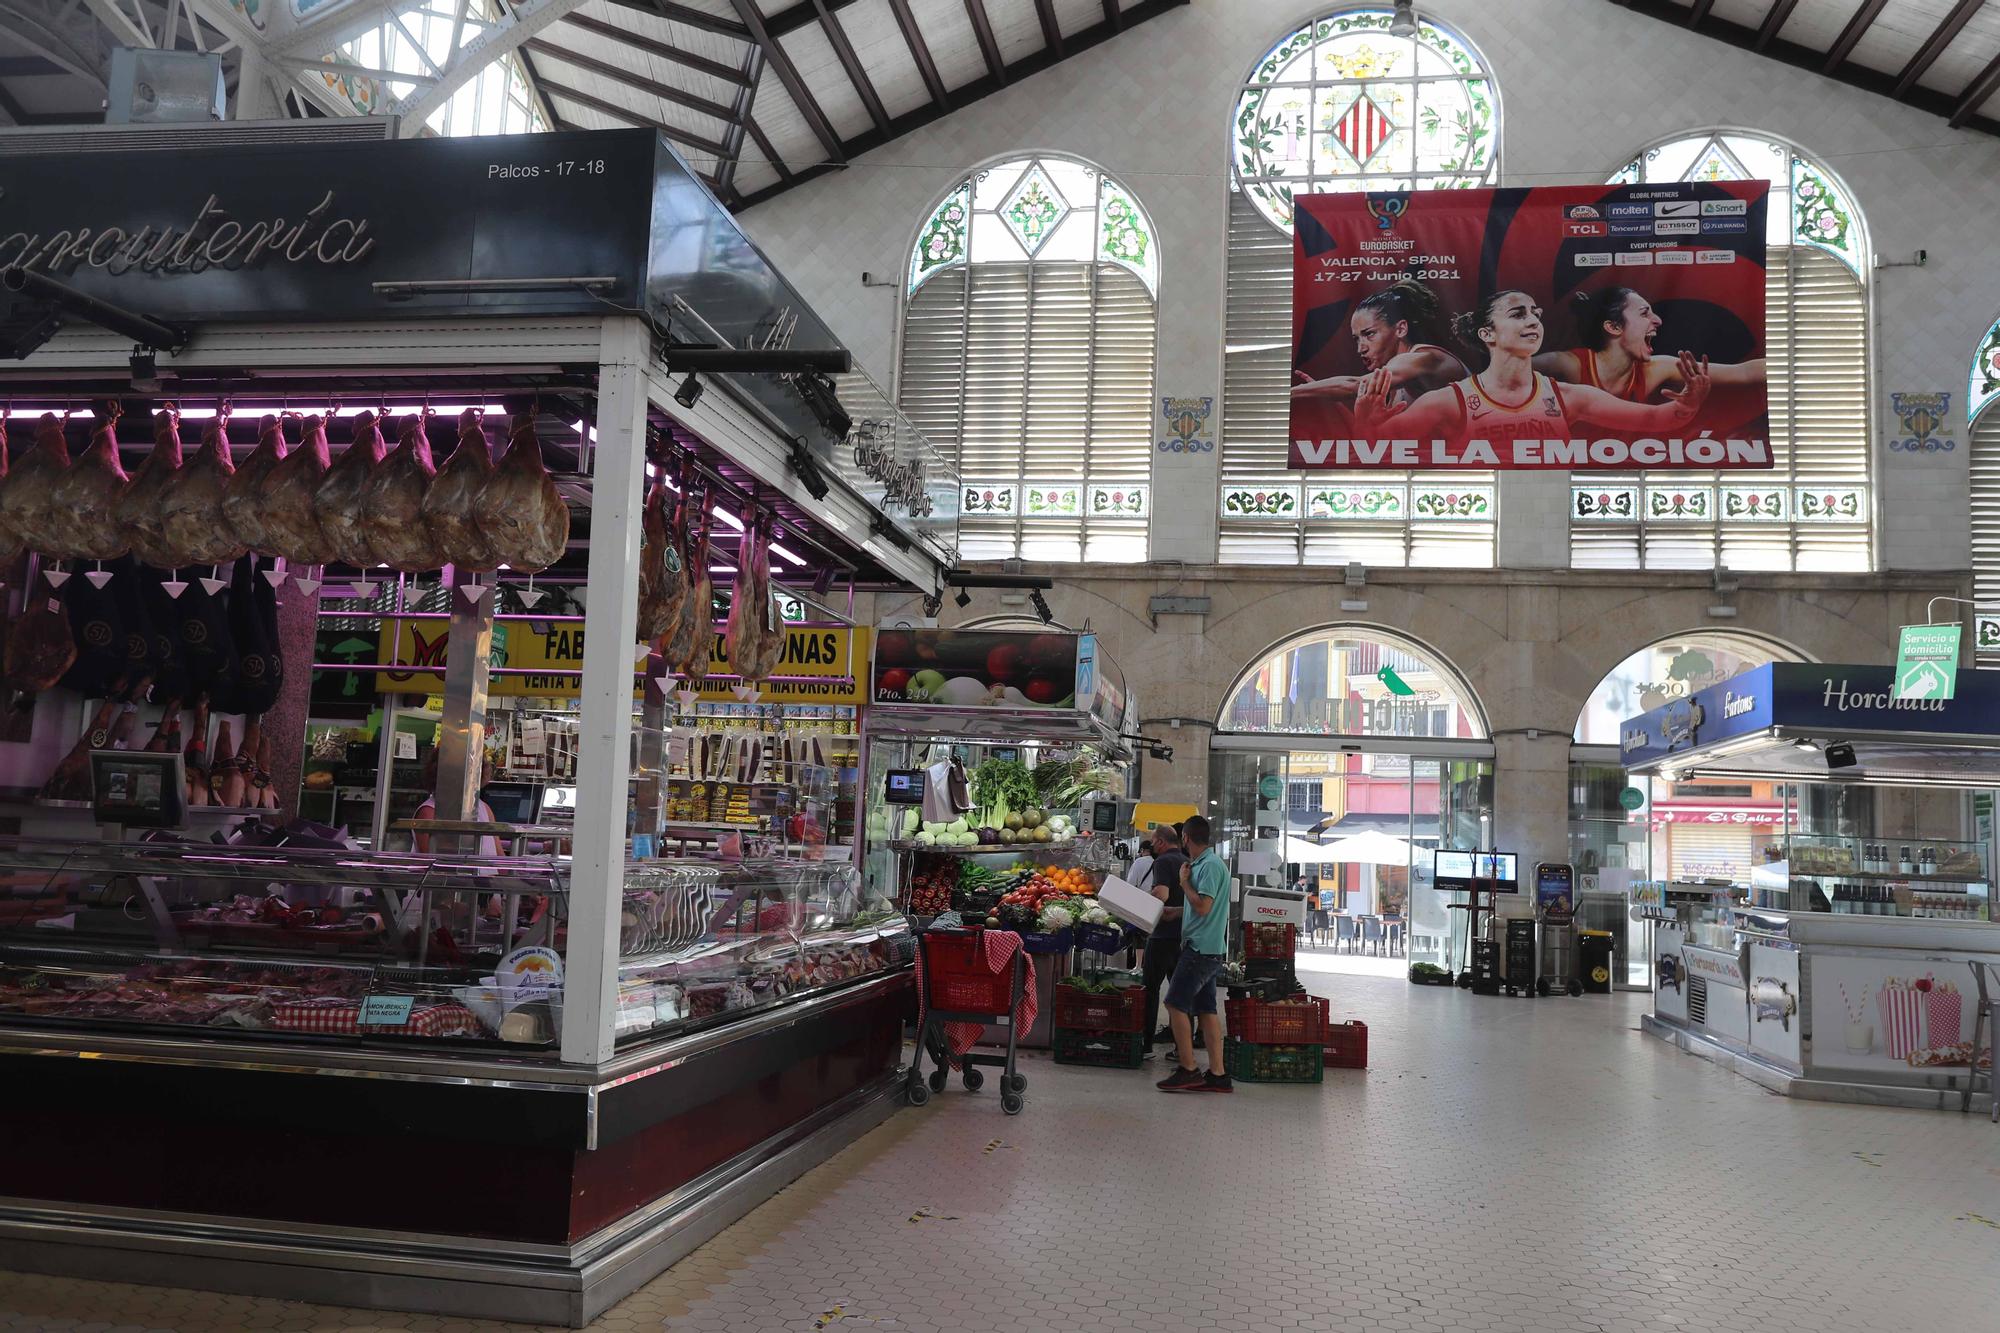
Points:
(1555, 901)
(956, 988)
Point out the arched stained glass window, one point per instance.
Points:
(1984, 385)
(1981, 392)
(1029, 325)
(1813, 511)
(1347, 103)
(1342, 103)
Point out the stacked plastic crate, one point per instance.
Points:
(1099, 1026)
(1276, 1041)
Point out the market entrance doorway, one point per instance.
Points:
(1342, 761)
(1629, 838)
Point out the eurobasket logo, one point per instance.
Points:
(1583, 213)
(1386, 208)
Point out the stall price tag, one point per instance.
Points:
(534, 736)
(386, 1011)
(406, 745)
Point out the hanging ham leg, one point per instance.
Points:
(138, 509)
(71, 779)
(41, 648)
(451, 509)
(232, 784)
(740, 634)
(31, 501)
(243, 498)
(87, 495)
(341, 496)
(521, 512)
(197, 756)
(264, 795)
(662, 587)
(192, 522)
(289, 496)
(167, 736)
(10, 540)
(224, 763)
(392, 504)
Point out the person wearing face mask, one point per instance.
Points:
(1508, 399)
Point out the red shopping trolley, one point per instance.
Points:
(964, 986)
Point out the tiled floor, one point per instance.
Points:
(1504, 1165)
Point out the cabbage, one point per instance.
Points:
(1056, 917)
(926, 839)
(957, 826)
(933, 828)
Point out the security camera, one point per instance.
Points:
(1163, 753)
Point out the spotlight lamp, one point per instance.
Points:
(806, 468)
(1041, 605)
(964, 599)
(145, 370)
(690, 391)
(1404, 22)
(824, 403)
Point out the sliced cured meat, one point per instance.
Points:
(243, 498)
(451, 509)
(88, 495)
(392, 504)
(138, 509)
(40, 647)
(291, 525)
(521, 513)
(341, 497)
(194, 528)
(30, 497)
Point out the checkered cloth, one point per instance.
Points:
(999, 948)
(343, 1018)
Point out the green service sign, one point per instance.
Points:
(1270, 787)
(1927, 662)
(1631, 798)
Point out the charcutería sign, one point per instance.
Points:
(213, 238)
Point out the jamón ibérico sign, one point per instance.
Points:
(1613, 328)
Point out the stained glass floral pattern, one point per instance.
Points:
(987, 498)
(1984, 386)
(1831, 504)
(1821, 215)
(1043, 209)
(1260, 501)
(1054, 500)
(1114, 500)
(1603, 504)
(942, 241)
(1679, 504)
(1459, 503)
(1755, 504)
(1808, 206)
(1034, 209)
(1344, 104)
(1352, 503)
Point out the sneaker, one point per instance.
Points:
(1164, 1034)
(1182, 1080)
(1216, 1083)
(1148, 1053)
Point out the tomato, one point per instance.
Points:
(1044, 690)
(892, 682)
(1004, 663)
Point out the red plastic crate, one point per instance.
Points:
(1347, 1045)
(956, 976)
(1118, 1011)
(1262, 939)
(1298, 1021)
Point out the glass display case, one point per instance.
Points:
(704, 941)
(1929, 878)
(334, 944)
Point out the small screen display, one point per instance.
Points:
(510, 802)
(142, 789)
(1104, 817)
(904, 786)
(1456, 871)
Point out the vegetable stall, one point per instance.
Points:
(971, 785)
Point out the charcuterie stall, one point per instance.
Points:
(433, 655)
(1849, 964)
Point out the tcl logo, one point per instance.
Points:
(1591, 229)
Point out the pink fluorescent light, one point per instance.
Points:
(307, 409)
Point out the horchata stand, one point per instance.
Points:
(1849, 964)
(517, 1073)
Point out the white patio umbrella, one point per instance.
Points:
(1369, 848)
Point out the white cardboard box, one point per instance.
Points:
(1130, 903)
(1274, 906)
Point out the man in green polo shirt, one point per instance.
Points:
(1204, 948)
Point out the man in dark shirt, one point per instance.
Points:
(1163, 946)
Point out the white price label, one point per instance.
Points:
(406, 745)
(534, 736)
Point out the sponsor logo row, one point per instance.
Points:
(1653, 258)
(1586, 229)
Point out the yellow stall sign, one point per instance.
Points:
(822, 664)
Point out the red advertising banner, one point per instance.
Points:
(1604, 327)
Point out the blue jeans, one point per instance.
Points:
(1192, 990)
